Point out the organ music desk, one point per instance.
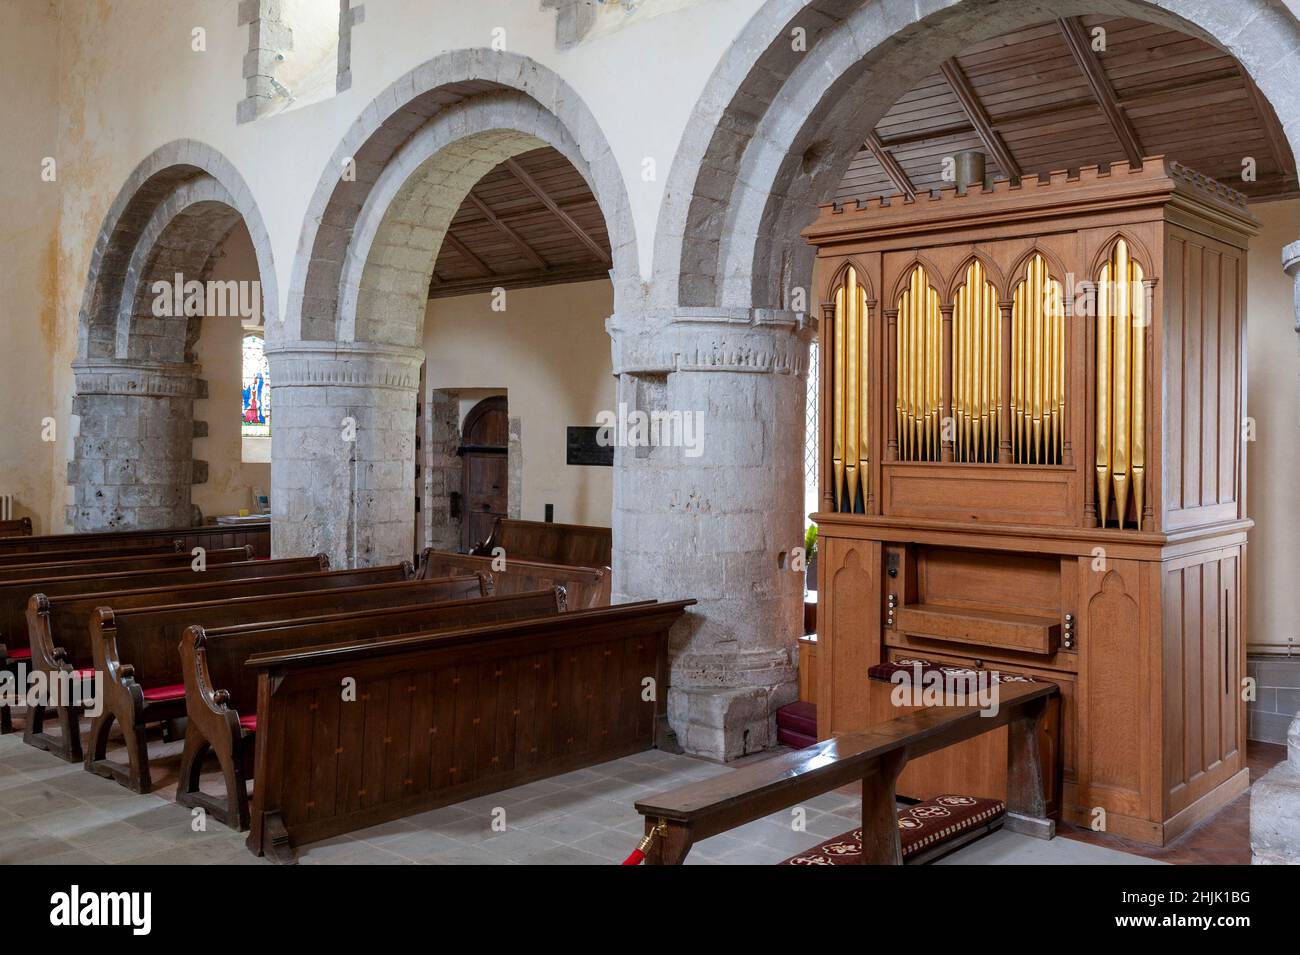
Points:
(1031, 458)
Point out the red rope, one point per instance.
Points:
(636, 858)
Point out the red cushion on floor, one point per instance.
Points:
(20, 653)
(800, 717)
(794, 739)
(923, 826)
(161, 694)
(249, 722)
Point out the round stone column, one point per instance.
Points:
(1291, 265)
(133, 457)
(717, 522)
(343, 450)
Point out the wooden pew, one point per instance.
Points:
(221, 692)
(872, 759)
(574, 545)
(586, 586)
(47, 570)
(442, 717)
(135, 650)
(210, 536)
(16, 594)
(19, 527)
(56, 620)
(20, 558)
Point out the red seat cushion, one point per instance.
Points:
(20, 653)
(923, 826)
(249, 722)
(84, 673)
(161, 694)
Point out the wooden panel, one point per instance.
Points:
(848, 636)
(989, 628)
(978, 494)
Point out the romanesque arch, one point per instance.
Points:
(346, 360)
(136, 378)
(772, 135)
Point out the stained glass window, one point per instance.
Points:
(255, 420)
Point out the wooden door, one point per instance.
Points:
(484, 474)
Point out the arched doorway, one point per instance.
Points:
(485, 480)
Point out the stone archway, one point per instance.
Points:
(345, 362)
(771, 136)
(136, 378)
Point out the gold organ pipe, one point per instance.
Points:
(1103, 392)
(1121, 409)
(1038, 367)
(919, 357)
(837, 422)
(851, 385)
(1138, 455)
(977, 367)
(850, 427)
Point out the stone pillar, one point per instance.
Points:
(343, 451)
(133, 456)
(1291, 265)
(1275, 809)
(442, 469)
(717, 523)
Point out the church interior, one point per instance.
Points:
(597, 432)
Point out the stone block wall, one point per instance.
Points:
(1277, 697)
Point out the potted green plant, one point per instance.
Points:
(810, 557)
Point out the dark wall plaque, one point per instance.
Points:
(583, 448)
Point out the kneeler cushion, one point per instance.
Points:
(923, 826)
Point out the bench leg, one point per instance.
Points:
(135, 776)
(671, 845)
(1026, 805)
(880, 843)
(68, 745)
(6, 721)
(233, 810)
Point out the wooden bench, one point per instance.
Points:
(586, 586)
(15, 643)
(81, 565)
(221, 692)
(19, 527)
(441, 717)
(136, 649)
(209, 536)
(873, 759)
(58, 623)
(573, 545)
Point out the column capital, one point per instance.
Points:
(307, 364)
(762, 341)
(141, 379)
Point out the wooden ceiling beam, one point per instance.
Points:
(468, 253)
(583, 236)
(979, 117)
(896, 173)
(1277, 141)
(556, 275)
(1076, 41)
(526, 250)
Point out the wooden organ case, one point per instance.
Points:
(1031, 459)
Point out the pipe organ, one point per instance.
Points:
(1032, 461)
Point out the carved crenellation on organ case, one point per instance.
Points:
(1032, 400)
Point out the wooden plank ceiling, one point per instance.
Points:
(531, 221)
(1041, 99)
(1035, 100)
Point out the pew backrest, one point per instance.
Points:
(211, 536)
(18, 558)
(224, 651)
(574, 545)
(65, 622)
(81, 565)
(146, 638)
(586, 586)
(441, 715)
(18, 527)
(16, 595)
